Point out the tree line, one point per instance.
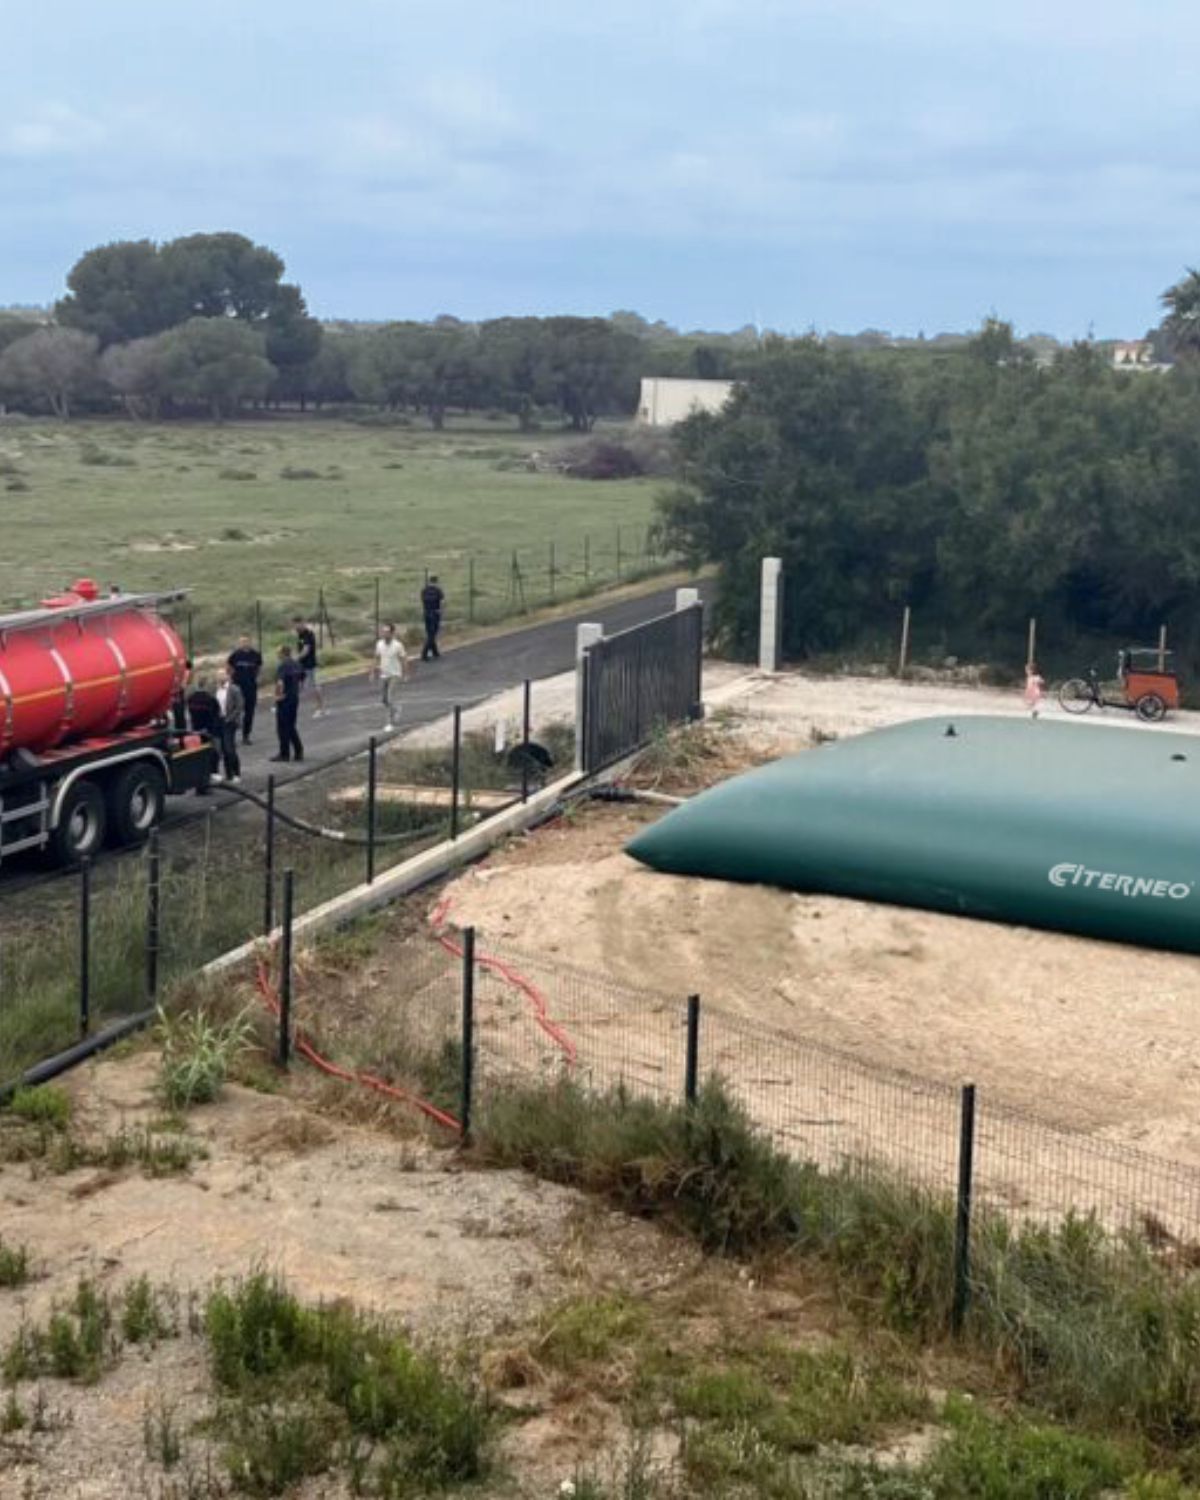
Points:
(208, 322)
(980, 489)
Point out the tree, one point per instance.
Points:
(56, 365)
(122, 291)
(138, 372)
(1182, 322)
(218, 362)
(14, 328)
(515, 367)
(293, 337)
(594, 367)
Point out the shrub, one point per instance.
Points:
(14, 1264)
(240, 475)
(197, 1055)
(292, 471)
(47, 1105)
(604, 459)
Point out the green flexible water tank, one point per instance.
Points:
(1080, 827)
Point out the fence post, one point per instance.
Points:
(770, 614)
(553, 572)
(321, 615)
(85, 944)
(1031, 647)
(962, 1215)
(468, 1033)
(377, 606)
(1162, 648)
(285, 972)
(691, 1074)
(153, 892)
(372, 788)
(258, 623)
(526, 731)
(191, 650)
(905, 629)
(586, 636)
(269, 862)
(471, 590)
(455, 771)
(618, 554)
(587, 558)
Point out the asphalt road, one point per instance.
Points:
(463, 675)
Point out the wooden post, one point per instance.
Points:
(905, 630)
(1031, 649)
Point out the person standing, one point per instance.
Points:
(1035, 689)
(388, 668)
(432, 601)
(306, 660)
(245, 663)
(288, 677)
(229, 717)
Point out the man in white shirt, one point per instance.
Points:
(388, 668)
(229, 715)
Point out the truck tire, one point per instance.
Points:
(81, 824)
(136, 797)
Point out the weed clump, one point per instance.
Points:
(311, 1387)
(14, 1264)
(197, 1055)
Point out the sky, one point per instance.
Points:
(910, 165)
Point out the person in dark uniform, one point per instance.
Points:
(288, 677)
(245, 663)
(205, 715)
(432, 600)
(306, 660)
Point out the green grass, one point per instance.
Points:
(14, 1264)
(172, 506)
(1086, 1327)
(310, 1389)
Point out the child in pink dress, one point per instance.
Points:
(1035, 689)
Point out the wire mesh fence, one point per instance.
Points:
(219, 869)
(819, 1104)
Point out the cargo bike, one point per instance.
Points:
(1147, 686)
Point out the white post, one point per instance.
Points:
(686, 599)
(770, 619)
(585, 636)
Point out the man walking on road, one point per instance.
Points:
(288, 677)
(432, 600)
(306, 660)
(388, 668)
(245, 663)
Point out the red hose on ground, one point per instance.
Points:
(541, 1009)
(367, 1080)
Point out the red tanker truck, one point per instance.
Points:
(88, 752)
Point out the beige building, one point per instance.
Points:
(665, 401)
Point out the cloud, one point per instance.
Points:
(51, 129)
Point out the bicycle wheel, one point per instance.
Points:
(1151, 707)
(1076, 696)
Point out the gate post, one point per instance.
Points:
(585, 636)
(770, 617)
(686, 599)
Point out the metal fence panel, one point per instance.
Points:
(639, 680)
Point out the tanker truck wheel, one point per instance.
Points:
(81, 824)
(136, 798)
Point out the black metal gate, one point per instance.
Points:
(638, 681)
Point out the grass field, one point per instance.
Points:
(276, 510)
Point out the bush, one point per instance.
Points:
(240, 475)
(291, 471)
(197, 1055)
(48, 1105)
(603, 459)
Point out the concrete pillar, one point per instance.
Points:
(770, 619)
(585, 636)
(686, 599)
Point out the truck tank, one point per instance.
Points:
(82, 667)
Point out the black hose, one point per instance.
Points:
(337, 835)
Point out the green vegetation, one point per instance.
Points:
(1087, 1327)
(981, 490)
(166, 519)
(310, 1389)
(48, 1105)
(14, 1264)
(196, 1054)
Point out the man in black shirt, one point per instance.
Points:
(288, 677)
(432, 600)
(245, 663)
(306, 660)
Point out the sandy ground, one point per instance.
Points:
(1095, 1037)
(342, 1211)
